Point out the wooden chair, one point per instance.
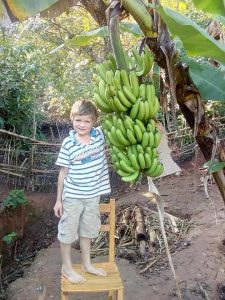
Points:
(112, 283)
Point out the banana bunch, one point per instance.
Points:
(133, 146)
(130, 109)
(142, 63)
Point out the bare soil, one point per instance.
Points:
(199, 266)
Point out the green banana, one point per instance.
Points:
(129, 123)
(156, 107)
(127, 168)
(101, 88)
(101, 104)
(109, 77)
(139, 149)
(134, 110)
(151, 170)
(134, 150)
(157, 138)
(123, 99)
(112, 105)
(131, 177)
(151, 139)
(115, 120)
(114, 158)
(113, 132)
(145, 140)
(141, 160)
(108, 124)
(138, 133)
(142, 91)
(122, 173)
(140, 70)
(116, 165)
(122, 139)
(111, 91)
(150, 92)
(119, 105)
(137, 57)
(147, 160)
(141, 111)
(149, 151)
(134, 161)
(128, 93)
(134, 83)
(101, 71)
(125, 78)
(111, 57)
(141, 125)
(131, 137)
(158, 170)
(121, 126)
(147, 110)
(111, 140)
(148, 59)
(123, 157)
(117, 80)
(154, 153)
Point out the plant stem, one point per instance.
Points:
(116, 43)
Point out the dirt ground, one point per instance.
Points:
(199, 266)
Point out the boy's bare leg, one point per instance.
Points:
(67, 268)
(85, 246)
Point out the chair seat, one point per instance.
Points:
(95, 283)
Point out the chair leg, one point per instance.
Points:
(64, 296)
(110, 295)
(120, 294)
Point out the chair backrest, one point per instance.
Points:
(109, 208)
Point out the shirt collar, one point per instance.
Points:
(72, 135)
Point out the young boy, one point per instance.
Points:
(83, 177)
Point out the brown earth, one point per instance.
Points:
(199, 266)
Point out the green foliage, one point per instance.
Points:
(195, 40)
(9, 237)
(214, 166)
(14, 199)
(20, 84)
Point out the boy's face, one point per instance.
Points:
(83, 124)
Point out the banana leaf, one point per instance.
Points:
(208, 79)
(195, 40)
(216, 7)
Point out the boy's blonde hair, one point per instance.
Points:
(82, 108)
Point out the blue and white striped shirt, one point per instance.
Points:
(88, 170)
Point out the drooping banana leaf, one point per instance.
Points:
(102, 32)
(209, 80)
(22, 9)
(195, 40)
(216, 7)
(19, 10)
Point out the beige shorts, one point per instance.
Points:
(80, 217)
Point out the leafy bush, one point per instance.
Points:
(14, 199)
(9, 237)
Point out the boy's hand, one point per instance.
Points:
(58, 209)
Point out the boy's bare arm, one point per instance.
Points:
(58, 205)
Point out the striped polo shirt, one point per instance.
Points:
(88, 170)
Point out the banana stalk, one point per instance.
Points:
(116, 43)
(139, 12)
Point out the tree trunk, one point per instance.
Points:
(189, 100)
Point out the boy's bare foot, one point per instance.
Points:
(95, 271)
(72, 276)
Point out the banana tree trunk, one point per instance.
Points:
(189, 100)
